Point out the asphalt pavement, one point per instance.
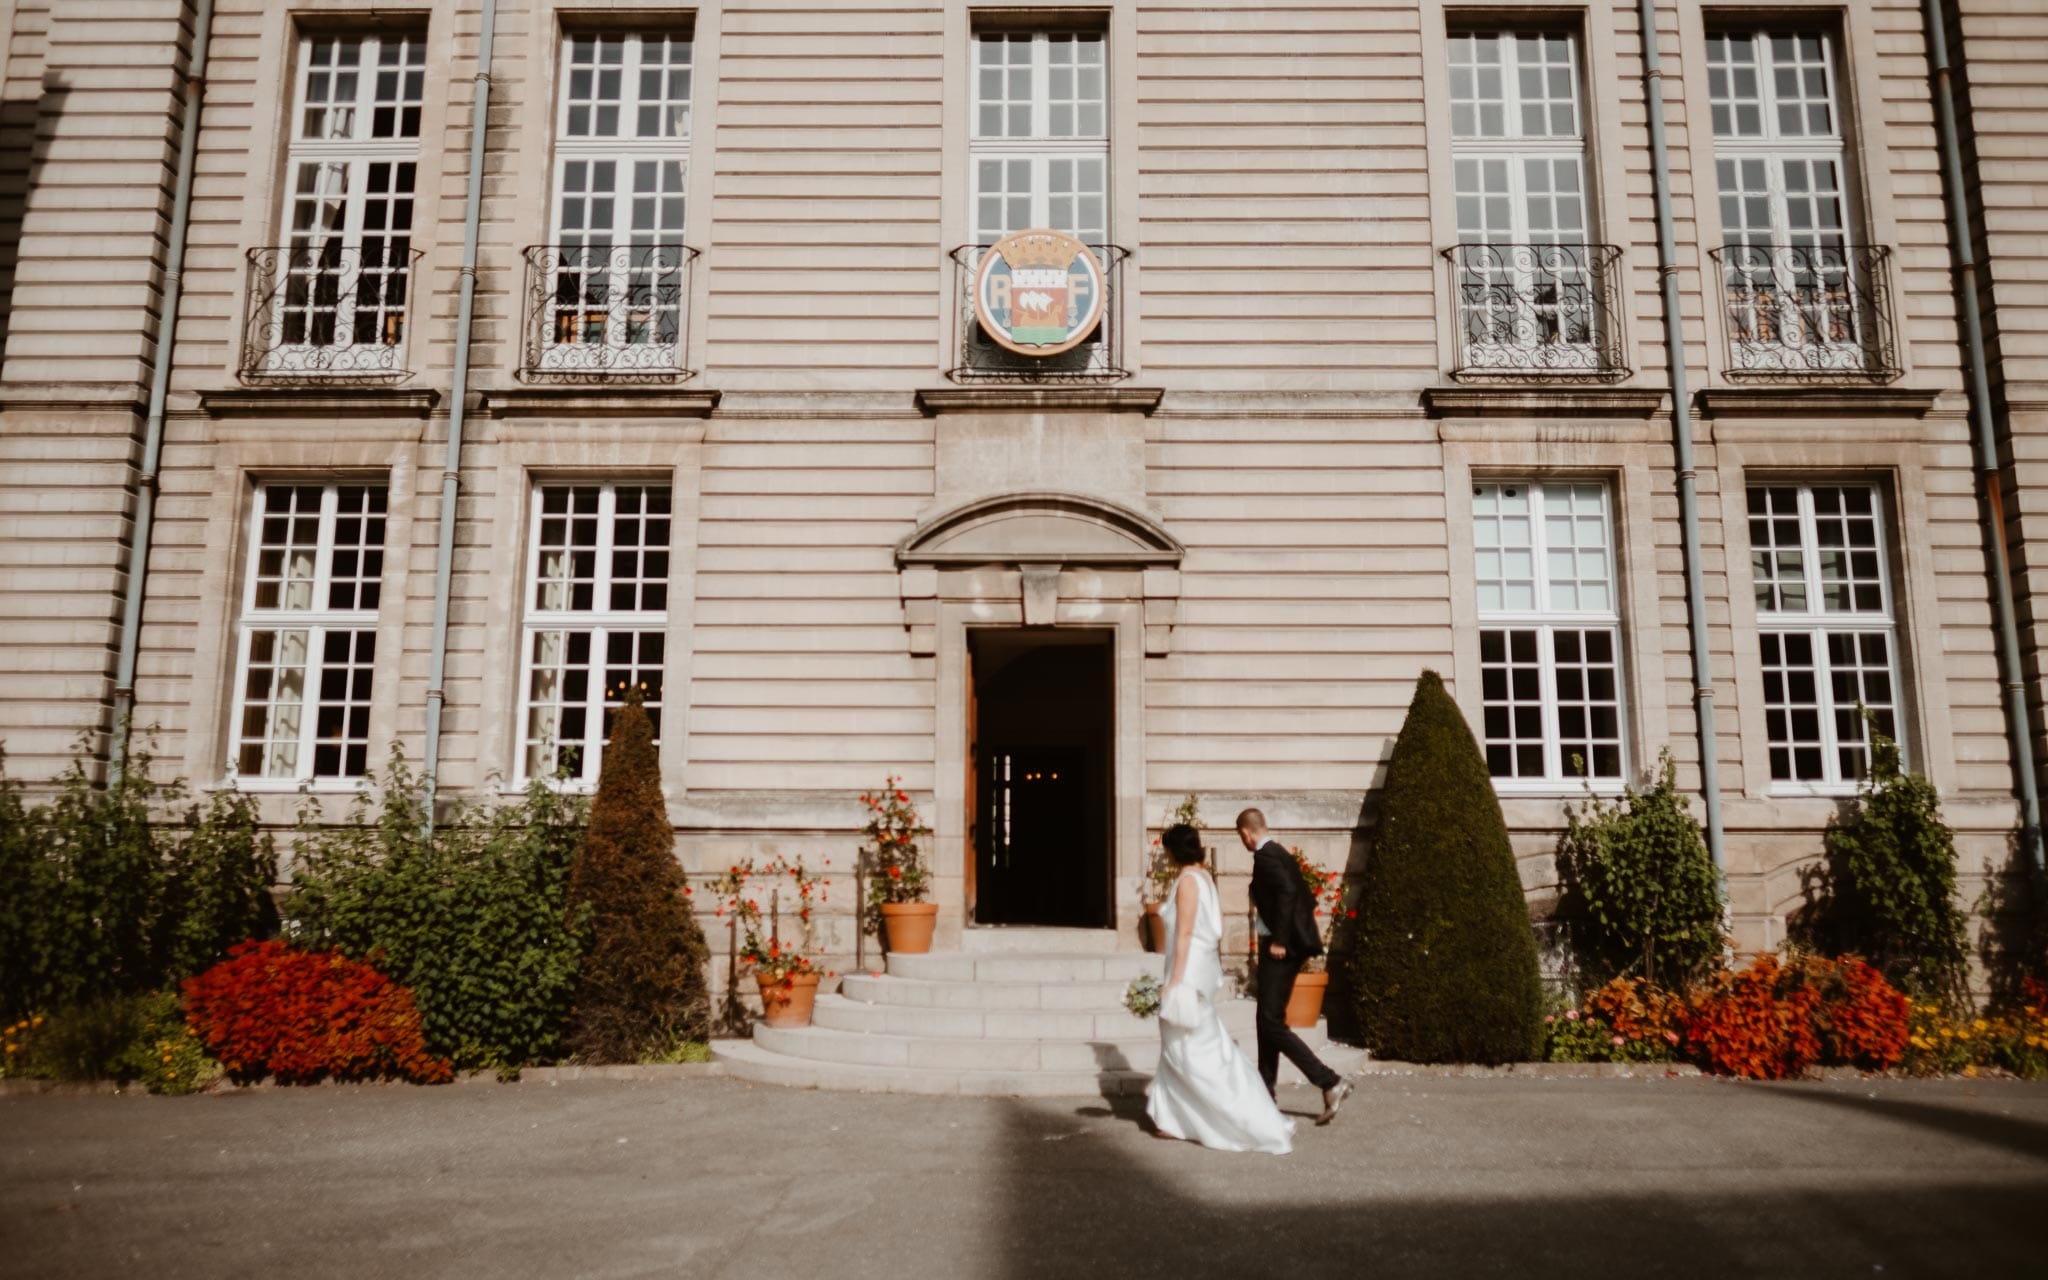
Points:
(712, 1178)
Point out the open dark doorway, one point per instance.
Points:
(1040, 729)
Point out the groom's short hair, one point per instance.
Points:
(1253, 821)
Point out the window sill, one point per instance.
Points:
(1560, 789)
(1531, 399)
(1815, 400)
(1812, 790)
(292, 786)
(324, 401)
(595, 400)
(1038, 399)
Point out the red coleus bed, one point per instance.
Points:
(1775, 1020)
(301, 1016)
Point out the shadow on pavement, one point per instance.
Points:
(1085, 1208)
(2008, 1133)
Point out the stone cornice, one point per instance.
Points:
(1080, 398)
(319, 402)
(1795, 401)
(1563, 401)
(598, 402)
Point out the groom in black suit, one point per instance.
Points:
(1287, 939)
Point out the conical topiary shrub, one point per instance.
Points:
(641, 987)
(1443, 962)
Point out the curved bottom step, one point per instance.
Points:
(745, 1060)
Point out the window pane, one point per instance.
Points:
(1792, 706)
(1512, 678)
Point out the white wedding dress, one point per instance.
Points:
(1206, 1090)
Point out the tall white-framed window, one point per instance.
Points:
(307, 639)
(1549, 632)
(1038, 149)
(1827, 631)
(595, 621)
(615, 278)
(1526, 272)
(340, 281)
(1789, 274)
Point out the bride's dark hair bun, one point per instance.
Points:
(1183, 844)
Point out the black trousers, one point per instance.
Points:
(1276, 983)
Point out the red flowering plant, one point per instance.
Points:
(272, 1010)
(1327, 888)
(1758, 1023)
(778, 964)
(1628, 1020)
(891, 850)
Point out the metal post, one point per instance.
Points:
(458, 403)
(1681, 435)
(2018, 724)
(159, 394)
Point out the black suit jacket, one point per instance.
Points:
(1284, 902)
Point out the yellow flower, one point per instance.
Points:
(11, 1046)
(170, 1075)
(36, 1021)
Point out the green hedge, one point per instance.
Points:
(1442, 965)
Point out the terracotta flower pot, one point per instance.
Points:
(1155, 928)
(788, 1003)
(1305, 1003)
(907, 926)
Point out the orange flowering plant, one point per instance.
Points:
(1327, 888)
(769, 958)
(894, 856)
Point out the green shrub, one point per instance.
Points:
(1443, 963)
(217, 881)
(127, 1039)
(1641, 895)
(101, 895)
(475, 919)
(642, 985)
(1887, 888)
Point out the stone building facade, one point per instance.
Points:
(1379, 384)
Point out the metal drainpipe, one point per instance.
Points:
(1681, 432)
(451, 469)
(2010, 667)
(159, 394)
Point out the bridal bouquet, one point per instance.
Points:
(1142, 997)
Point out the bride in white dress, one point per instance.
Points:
(1206, 1090)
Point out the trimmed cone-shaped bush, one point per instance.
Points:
(642, 981)
(1443, 962)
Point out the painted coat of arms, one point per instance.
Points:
(1038, 293)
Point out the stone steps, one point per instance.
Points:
(1118, 967)
(1020, 1013)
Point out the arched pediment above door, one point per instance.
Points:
(1039, 528)
(1040, 559)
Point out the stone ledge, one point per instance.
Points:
(331, 401)
(932, 401)
(598, 402)
(51, 397)
(1525, 401)
(1793, 401)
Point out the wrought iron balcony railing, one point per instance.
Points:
(1807, 311)
(1537, 311)
(607, 313)
(321, 309)
(1098, 358)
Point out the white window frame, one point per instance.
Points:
(1774, 148)
(1526, 272)
(600, 621)
(1040, 148)
(354, 152)
(641, 284)
(317, 623)
(1817, 622)
(1547, 621)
